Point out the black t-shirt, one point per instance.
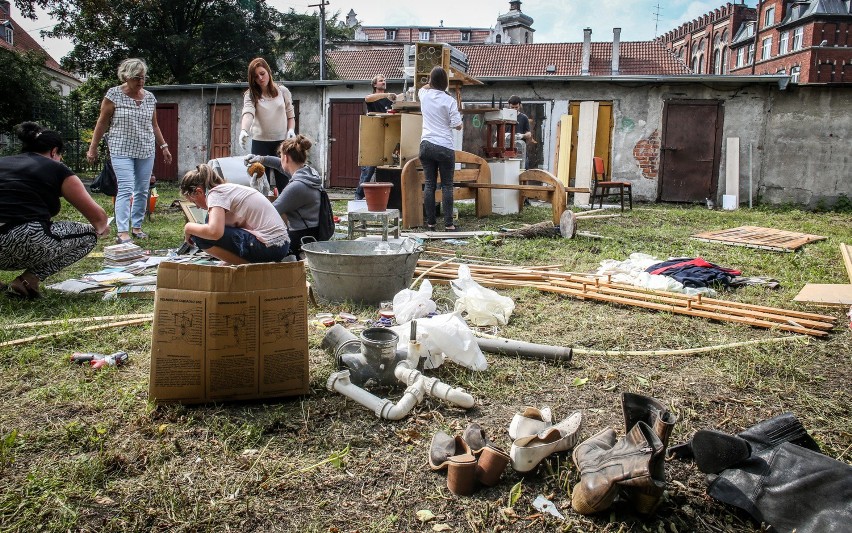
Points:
(523, 124)
(379, 106)
(30, 188)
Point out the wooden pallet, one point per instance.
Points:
(762, 238)
(593, 288)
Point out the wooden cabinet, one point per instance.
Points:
(379, 135)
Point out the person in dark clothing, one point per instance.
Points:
(523, 129)
(378, 101)
(299, 202)
(32, 184)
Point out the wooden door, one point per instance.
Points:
(690, 150)
(343, 169)
(220, 131)
(167, 119)
(603, 136)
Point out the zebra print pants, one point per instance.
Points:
(45, 248)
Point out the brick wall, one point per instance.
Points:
(646, 152)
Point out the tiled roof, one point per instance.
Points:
(363, 64)
(25, 43)
(408, 34)
(522, 60)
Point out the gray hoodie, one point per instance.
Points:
(300, 199)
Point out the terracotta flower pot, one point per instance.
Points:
(377, 195)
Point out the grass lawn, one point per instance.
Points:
(86, 450)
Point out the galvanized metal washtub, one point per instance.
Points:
(366, 272)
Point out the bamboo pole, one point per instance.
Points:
(79, 320)
(27, 340)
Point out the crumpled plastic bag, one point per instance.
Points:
(409, 304)
(442, 337)
(483, 307)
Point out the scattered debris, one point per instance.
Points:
(592, 288)
(546, 506)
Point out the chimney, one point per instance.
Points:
(587, 51)
(616, 47)
(6, 8)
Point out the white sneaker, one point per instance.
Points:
(527, 452)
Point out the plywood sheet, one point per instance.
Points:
(846, 252)
(586, 133)
(825, 294)
(757, 237)
(564, 155)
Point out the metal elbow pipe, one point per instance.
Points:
(439, 389)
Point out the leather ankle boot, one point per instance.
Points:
(636, 407)
(605, 465)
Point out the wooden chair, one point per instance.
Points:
(475, 170)
(551, 190)
(602, 187)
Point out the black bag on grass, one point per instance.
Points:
(106, 181)
(325, 230)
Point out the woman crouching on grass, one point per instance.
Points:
(242, 226)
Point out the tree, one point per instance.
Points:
(182, 41)
(25, 86)
(299, 38)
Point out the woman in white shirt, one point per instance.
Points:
(437, 154)
(268, 111)
(242, 226)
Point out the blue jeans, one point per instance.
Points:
(242, 243)
(134, 179)
(366, 175)
(438, 159)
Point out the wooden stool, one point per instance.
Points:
(500, 147)
(385, 218)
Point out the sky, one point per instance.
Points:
(554, 21)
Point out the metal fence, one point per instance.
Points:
(62, 115)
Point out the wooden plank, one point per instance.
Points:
(846, 252)
(586, 132)
(732, 167)
(825, 294)
(563, 154)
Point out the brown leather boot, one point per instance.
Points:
(638, 408)
(605, 465)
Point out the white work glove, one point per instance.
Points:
(244, 137)
(291, 134)
(251, 159)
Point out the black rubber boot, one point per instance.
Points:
(766, 434)
(790, 488)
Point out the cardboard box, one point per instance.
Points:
(229, 332)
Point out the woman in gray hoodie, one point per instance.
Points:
(299, 202)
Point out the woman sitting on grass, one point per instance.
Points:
(299, 202)
(32, 184)
(242, 226)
